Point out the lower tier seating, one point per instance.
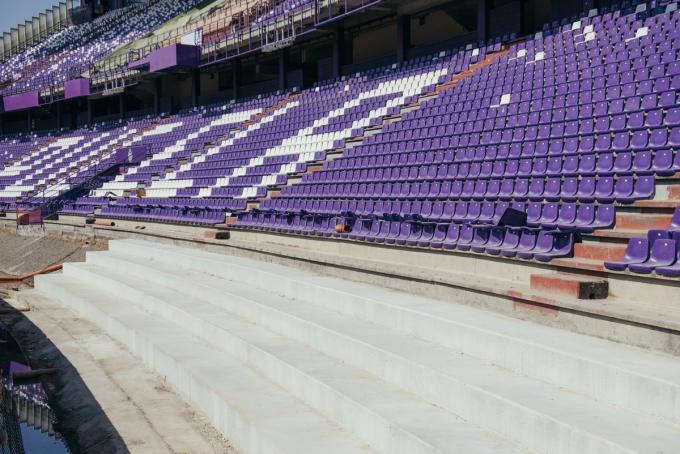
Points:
(658, 253)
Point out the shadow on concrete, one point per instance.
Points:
(80, 419)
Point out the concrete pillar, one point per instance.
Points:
(483, 20)
(338, 50)
(403, 37)
(236, 77)
(59, 115)
(283, 69)
(157, 87)
(29, 118)
(90, 116)
(195, 87)
(121, 106)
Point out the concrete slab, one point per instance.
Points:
(639, 311)
(258, 416)
(369, 360)
(127, 392)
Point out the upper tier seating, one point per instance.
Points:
(69, 52)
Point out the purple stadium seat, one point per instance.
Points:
(674, 269)
(636, 252)
(662, 254)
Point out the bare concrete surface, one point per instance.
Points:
(105, 399)
(19, 255)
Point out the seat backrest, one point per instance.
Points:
(664, 251)
(637, 250)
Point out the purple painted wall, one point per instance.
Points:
(175, 56)
(21, 101)
(76, 88)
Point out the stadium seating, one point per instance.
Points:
(263, 152)
(70, 52)
(564, 127)
(565, 141)
(65, 161)
(659, 252)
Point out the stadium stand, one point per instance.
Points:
(586, 125)
(69, 53)
(528, 164)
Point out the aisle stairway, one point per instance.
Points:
(285, 361)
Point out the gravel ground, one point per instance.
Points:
(20, 255)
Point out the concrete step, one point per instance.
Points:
(388, 418)
(478, 391)
(575, 263)
(674, 193)
(257, 415)
(619, 234)
(660, 204)
(642, 221)
(516, 345)
(596, 250)
(576, 286)
(611, 372)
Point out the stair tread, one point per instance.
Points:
(580, 263)
(636, 360)
(432, 424)
(602, 244)
(557, 404)
(619, 233)
(288, 423)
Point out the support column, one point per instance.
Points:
(59, 115)
(283, 69)
(2, 124)
(90, 116)
(121, 106)
(29, 117)
(236, 77)
(482, 20)
(403, 37)
(338, 50)
(158, 86)
(195, 87)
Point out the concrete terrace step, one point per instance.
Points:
(599, 251)
(256, 414)
(619, 234)
(389, 419)
(579, 263)
(516, 345)
(640, 221)
(674, 192)
(483, 393)
(577, 286)
(669, 204)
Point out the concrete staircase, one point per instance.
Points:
(631, 221)
(286, 361)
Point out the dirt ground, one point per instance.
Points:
(20, 255)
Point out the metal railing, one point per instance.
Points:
(222, 41)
